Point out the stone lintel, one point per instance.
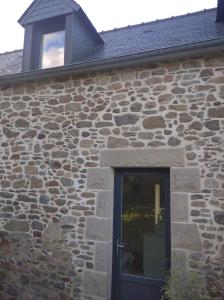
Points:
(185, 180)
(174, 157)
(96, 284)
(104, 204)
(185, 236)
(179, 207)
(100, 179)
(99, 229)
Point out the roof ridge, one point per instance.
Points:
(159, 20)
(9, 52)
(30, 7)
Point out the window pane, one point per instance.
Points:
(53, 49)
(143, 227)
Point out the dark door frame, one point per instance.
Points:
(118, 173)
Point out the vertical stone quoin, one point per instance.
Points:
(99, 229)
(56, 197)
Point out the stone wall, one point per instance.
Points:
(56, 133)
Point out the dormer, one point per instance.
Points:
(220, 12)
(57, 33)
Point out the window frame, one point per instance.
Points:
(42, 52)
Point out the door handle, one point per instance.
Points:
(119, 246)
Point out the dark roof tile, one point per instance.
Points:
(167, 33)
(11, 62)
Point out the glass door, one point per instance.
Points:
(141, 233)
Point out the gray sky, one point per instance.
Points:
(104, 14)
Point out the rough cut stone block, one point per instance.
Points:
(100, 179)
(143, 158)
(30, 170)
(103, 258)
(178, 259)
(185, 236)
(114, 142)
(96, 284)
(126, 119)
(104, 204)
(98, 229)
(216, 112)
(17, 225)
(154, 122)
(10, 134)
(219, 217)
(6, 195)
(179, 207)
(185, 180)
(219, 193)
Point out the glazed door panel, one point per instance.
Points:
(141, 252)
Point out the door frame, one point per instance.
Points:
(118, 173)
(185, 180)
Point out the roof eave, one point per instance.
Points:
(161, 55)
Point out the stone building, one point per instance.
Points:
(112, 154)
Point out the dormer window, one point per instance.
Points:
(57, 33)
(53, 49)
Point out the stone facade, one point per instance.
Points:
(60, 142)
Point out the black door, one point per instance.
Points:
(141, 250)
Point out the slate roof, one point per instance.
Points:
(11, 62)
(172, 32)
(163, 34)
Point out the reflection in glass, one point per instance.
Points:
(53, 46)
(143, 227)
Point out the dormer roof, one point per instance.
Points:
(45, 9)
